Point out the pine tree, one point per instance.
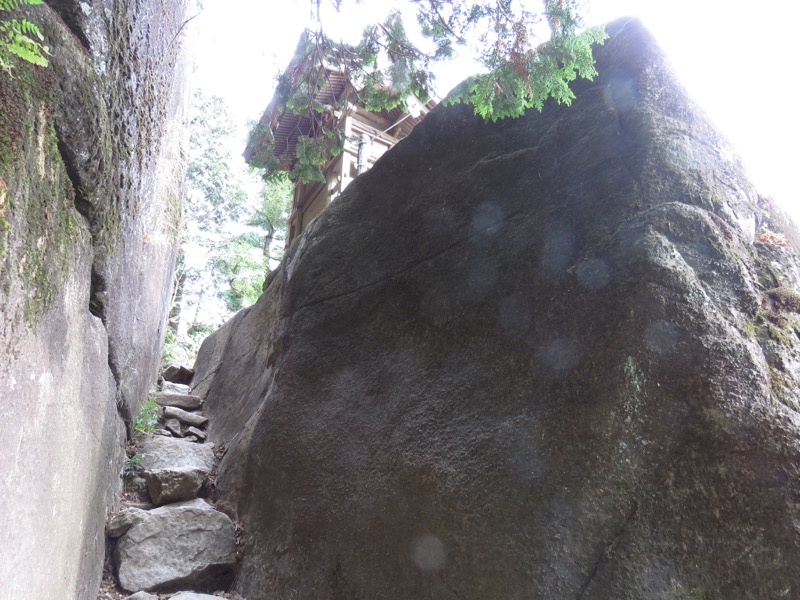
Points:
(522, 70)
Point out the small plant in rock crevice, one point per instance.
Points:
(20, 38)
(148, 418)
(133, 466)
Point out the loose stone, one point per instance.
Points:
(170, 412)
(123, 521)
(173, 426)
(188, 544)
(178, 374)
(185, 401)
(201, 435)
(142, 596)
(174, 388)
(175, 469)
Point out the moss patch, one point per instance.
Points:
(776, 326)
(38, 230)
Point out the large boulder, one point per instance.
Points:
(186, 544)
(90, 185)
(531, 359)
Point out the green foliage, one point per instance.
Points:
(241, 264)
(312, 154)
(20, 38)
(132, 467)
(522, 69)
(534, 77)
(148, 418)
(215, 196)
(234, 221)
(170, 349)
(239, 273)
(184, 344)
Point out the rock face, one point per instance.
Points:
(531, 359)
(89, 192)
(186, 544)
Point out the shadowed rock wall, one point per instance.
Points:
(542, 358)
(90, 186)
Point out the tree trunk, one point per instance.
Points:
(174, 319)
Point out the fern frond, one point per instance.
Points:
(28, 28)
(21, 38)
(26, 53)
(14, 4)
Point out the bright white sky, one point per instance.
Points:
(734, 57)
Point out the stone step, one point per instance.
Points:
(188, 544)
(177, 374)
(185, 401)
(174, 388)
(170, 412)
(174, 469)
(185, 542)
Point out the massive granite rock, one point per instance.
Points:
(90, 174)
(540, 358)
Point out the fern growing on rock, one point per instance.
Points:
(20, 37)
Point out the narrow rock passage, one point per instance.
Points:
(168, 541)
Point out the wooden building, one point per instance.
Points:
(367, 136)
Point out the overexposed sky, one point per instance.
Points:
(733, 57)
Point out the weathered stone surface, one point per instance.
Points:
(521, 360)
(123, 521)
(165, 453)
(178, 374)
(187, 544)
(58, 412)
(137, 486)
(185, 401)
(170, 412)
(174, 388)
(247, 341)
(172, 485)
(173, 426)
(142, 596)
(85, 172)
(196, 432)
(193, 596)
(174, 469)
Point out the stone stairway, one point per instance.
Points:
(167, 539)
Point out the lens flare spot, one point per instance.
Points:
(661, 337)
(558, 249)
(560, 355)
(488, 218)
(594, 273)
(621, 93)
(429, 554)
